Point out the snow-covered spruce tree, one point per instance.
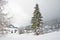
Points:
(4, 22)
(36, 20)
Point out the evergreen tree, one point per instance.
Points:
(36, 19)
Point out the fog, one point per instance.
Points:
(22, 10)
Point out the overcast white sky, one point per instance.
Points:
(22, 10)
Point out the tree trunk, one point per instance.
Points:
(37, 31)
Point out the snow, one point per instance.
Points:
(31, 36)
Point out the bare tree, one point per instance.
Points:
(4, 21)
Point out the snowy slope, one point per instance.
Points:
(31, 36)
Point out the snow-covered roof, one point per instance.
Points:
(11, 26)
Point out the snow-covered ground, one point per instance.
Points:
(31, 36)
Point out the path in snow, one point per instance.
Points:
(31, 36)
